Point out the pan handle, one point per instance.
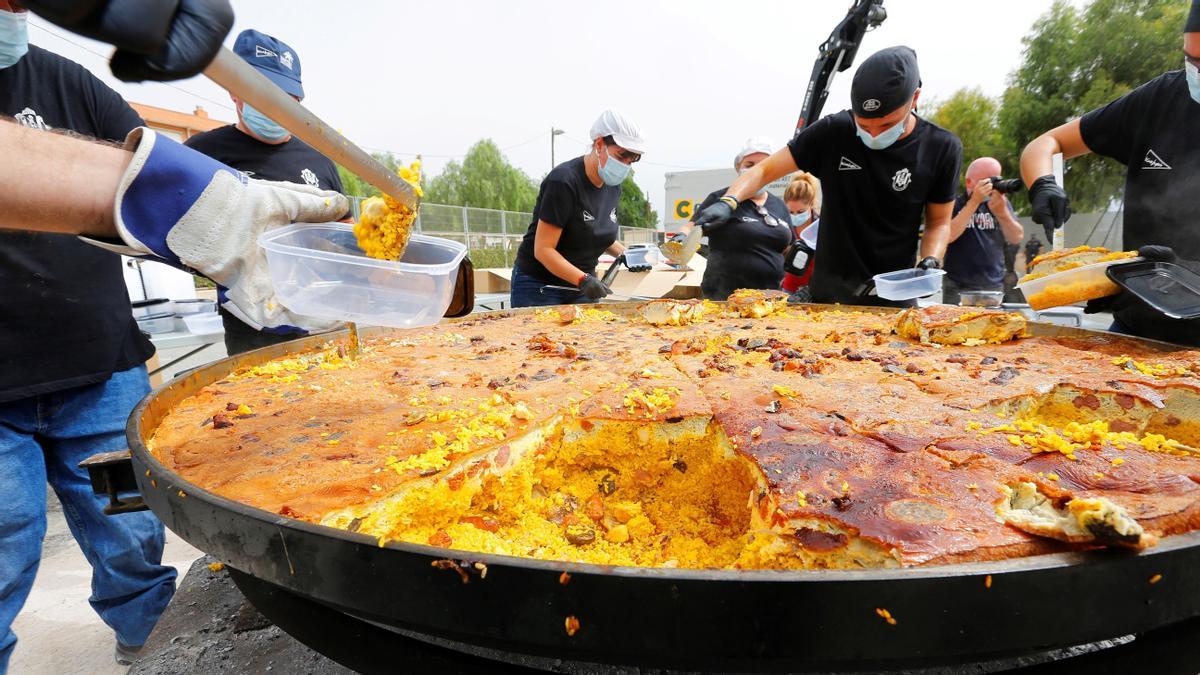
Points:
(241, 79)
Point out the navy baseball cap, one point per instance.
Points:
(272, 57)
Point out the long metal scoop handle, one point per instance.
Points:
(241, 79)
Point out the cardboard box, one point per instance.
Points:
(493, 280)
(662, 282)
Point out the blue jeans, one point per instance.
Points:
(530, 292)
(43, 438)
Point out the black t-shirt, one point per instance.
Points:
(586, 214)
(746, 252)
(1154, 131)
(873, 200)
(976, 259)
(64, 309)
(294, 161)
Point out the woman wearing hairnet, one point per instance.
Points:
(748, 251)
(575, 219)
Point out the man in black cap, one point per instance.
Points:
(260, 148)
(882, 169)
(1154, 131)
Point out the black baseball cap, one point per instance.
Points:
(271, 57)
(1193, 20)
(884, 82)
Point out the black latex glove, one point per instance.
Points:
(155, 39)
(929, 262)
(678, 237)
(801, 295)
(714, 216)
(1124, 300)
(633, 268)
(1051, 206)
(593, 287)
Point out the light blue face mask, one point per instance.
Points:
(613, 172)
(14, 37)
(262, 126)
(801, 218)
(885, 138)
(1193, 80)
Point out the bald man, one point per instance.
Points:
(983, 223)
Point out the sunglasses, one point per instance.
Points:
(769, 219)
(621, 154)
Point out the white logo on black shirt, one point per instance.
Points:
(309, 177)
(29, 118)
(1153, 161)
(613, 216)
(847, 165)
(901, 180)
(587, 217)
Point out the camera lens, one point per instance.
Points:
(1006, 186)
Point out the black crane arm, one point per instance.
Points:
(837, 54)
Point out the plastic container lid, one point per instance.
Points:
(1171, 289)
(908, 284)
(197, 306)
(318, 270)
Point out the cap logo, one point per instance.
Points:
(871, 105)
(286, 59)
(262, 52)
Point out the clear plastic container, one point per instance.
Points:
(185, 307)
(145, 308)
(1071, 286)
(203, 323)
(163, 322)
(318, 270)
(809, 235)
(908, 284)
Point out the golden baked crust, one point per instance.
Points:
(954, 325)
(811, 438)
(1070, 258)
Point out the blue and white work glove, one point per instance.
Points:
(198, 214)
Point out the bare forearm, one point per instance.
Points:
(1037, 159)
(958, 224)
(769, 170)
(62, 184)
(936, 238)
(616, 249)
(1013, 231)
(558, 265)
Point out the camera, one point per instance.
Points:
(1006, 186)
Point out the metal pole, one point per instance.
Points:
(552, 135)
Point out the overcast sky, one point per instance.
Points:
(699, 76)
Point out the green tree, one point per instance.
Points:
(634, 209)
(972, 117)
(484, 179)
(354, 186)
(1077, 60)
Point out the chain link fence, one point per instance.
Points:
(492, 236)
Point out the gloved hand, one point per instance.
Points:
(716, 215)
(929, 262)
(1124, 300)
(198, 214)
(678, 237)
(593, 287)
(154, 40)
(642, 266)
(1050, 204)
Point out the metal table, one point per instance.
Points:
(178, 339)
(491, 301)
